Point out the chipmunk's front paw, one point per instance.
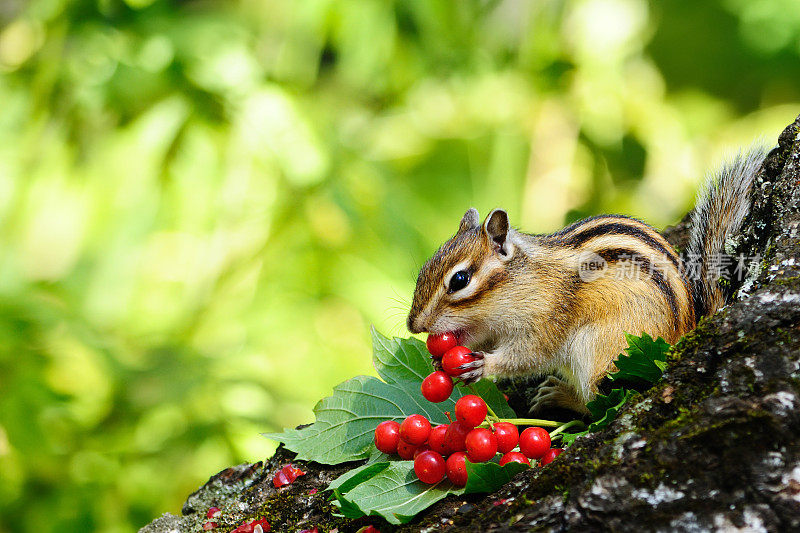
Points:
(474, 370)
(555, 392)
(437, 363)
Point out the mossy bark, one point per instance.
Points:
(715, 445)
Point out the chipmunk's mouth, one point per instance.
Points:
(461, 335)
(467, 338)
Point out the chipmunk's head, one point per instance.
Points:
(457, 288)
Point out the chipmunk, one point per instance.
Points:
(560, 303)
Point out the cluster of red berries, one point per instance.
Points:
(459, 441)
(443, 450)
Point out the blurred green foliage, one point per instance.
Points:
(203, 205)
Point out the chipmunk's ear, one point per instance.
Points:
(469, 221)
(496, 229)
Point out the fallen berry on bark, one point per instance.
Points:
(256, 526)
(286, 475)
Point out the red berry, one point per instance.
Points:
(471, 409)
(457, 469)
(421, 449)
(456, 436)
(514, 457)
(244, 527)
(551, 454)
(440, 343)
(507, 436)
(415, 429)
(481, 445)
(437, 440)
(387, 435)
(429, 467)
(454, 358)
(213, 512)
(534, 442)
(262, 524)
(280, 479)
(369, 529)
(406, 450)
(256, 526)
(437, 387)
(208, 526)
(286, 475)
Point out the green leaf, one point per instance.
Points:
(568, 438)
(490, 476)
(395, 493)
(398, 359)
(350, 479)
(605, 408)
(346, 508)
(346, 421)
(646, 359)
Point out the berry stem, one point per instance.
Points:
(531, 422)
(566, 426)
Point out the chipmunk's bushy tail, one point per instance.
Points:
(718, 215)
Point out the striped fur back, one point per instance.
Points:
(617, 239)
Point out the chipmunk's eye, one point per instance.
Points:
(459, 280)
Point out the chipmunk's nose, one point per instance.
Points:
(415, 323)
(411, 323)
